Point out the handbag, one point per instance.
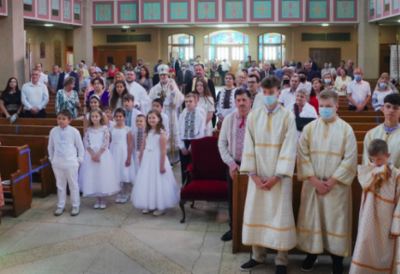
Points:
(300, 121)
(216, 74)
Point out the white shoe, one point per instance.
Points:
(75, 211)
(158, 212)
(118, 199)
(97, 204)
(124, 199)
(145, 211)
(59, 211)
(103, 203)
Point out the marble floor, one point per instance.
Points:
(120, 239)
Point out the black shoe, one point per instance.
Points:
(309, 262)
(227, 236)
(250, 265)
(280, 269)
(337, 265)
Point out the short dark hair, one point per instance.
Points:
(159, 101)
(271, 81)
(302, 72)
(377, 146)
(253, 61)
(128, 97)
(141, 116)
(199, 64)
(97, 79)
(241, 91)
(65, 112)
(393, 99)
(254, 76)
(249, 56)
(120, 110)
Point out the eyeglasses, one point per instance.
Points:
(251, 82)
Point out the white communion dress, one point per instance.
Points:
(98, 179)
(153, 190)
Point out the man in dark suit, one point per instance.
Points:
(313, 65)
(184, 75)
(267, 71)
(190, 86)
(311, 74)
(68, 73)
(175, 65)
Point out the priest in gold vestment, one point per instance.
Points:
(388, 131)
(326, 163)
(269, 158)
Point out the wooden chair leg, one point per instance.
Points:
(182, 206)
(192, 205)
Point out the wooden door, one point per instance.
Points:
(325, 55)
(384, 58)
(119, 55)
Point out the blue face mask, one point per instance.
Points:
(330, 65)
(382, 85)
(173, 60)
(326, 113)
(357, 77)
(327, 81)
(191, 62)
(269, 99)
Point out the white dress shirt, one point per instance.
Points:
(65, 147)
(250, 69)
(43, 78)
(359, 91)
(34, 96)
(307, 85)
(225, 66)
(287, 97)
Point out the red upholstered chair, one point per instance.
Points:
(206, 175)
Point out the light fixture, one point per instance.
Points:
(125, 27)
(222, 26)
(48, 25)
(398, 21)
(325, 25)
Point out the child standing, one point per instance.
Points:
(191, 126)
(121, 149)
(98, 176)
(107, 110)
(158, 105)
(118, 92)
(66, 156)
(155, 187)
(138, 137)
(131, 112)
(379, 222)
(94, 102)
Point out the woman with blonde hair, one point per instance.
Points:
(241, 80)
(119, 76)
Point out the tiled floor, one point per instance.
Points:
(120, 239)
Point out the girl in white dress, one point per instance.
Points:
(155, 188)
(206, 102)
(94, 102)
(97, 175)
(121, 149)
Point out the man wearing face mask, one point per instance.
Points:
(269, 155)
(184, 76)
(138, 67)
(288, 96)
(327, 164)
(303, 81)
(358, 92)
(230, 144)
(333, 70)
(191, 66)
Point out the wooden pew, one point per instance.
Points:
(363, 119)
(30, 130)
(38, 121)
(365, 113)
(38, 153)
(14, 163)
(240, 183)
(363, 126)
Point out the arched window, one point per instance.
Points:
(226, 44)
(271, 48)
(181, 45)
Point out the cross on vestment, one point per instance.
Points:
(179, 10)
(162, 93)
(261, 9)
(317, 9)
(128, 12)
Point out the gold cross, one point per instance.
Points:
(103, 12)
(317, 9)
(162, 94)
(128, 12)
(262, 9)
(179, 10)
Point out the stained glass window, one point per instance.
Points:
(271, 48)
(228, 37)
(181, 46)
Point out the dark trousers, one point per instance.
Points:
(229, 180)
(335, 259)
(185, 160)
(354, 108)
(41, 114)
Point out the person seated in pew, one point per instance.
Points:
(388, 131)
(34, 97)
(269, 155)
(10, 100)
(326, 163)
(302, 110)
(390, 81)
(381, 91)
(231, 141)
(66, 156)
(379, 225)
(358, 92)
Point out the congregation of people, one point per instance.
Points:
(268, 121)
